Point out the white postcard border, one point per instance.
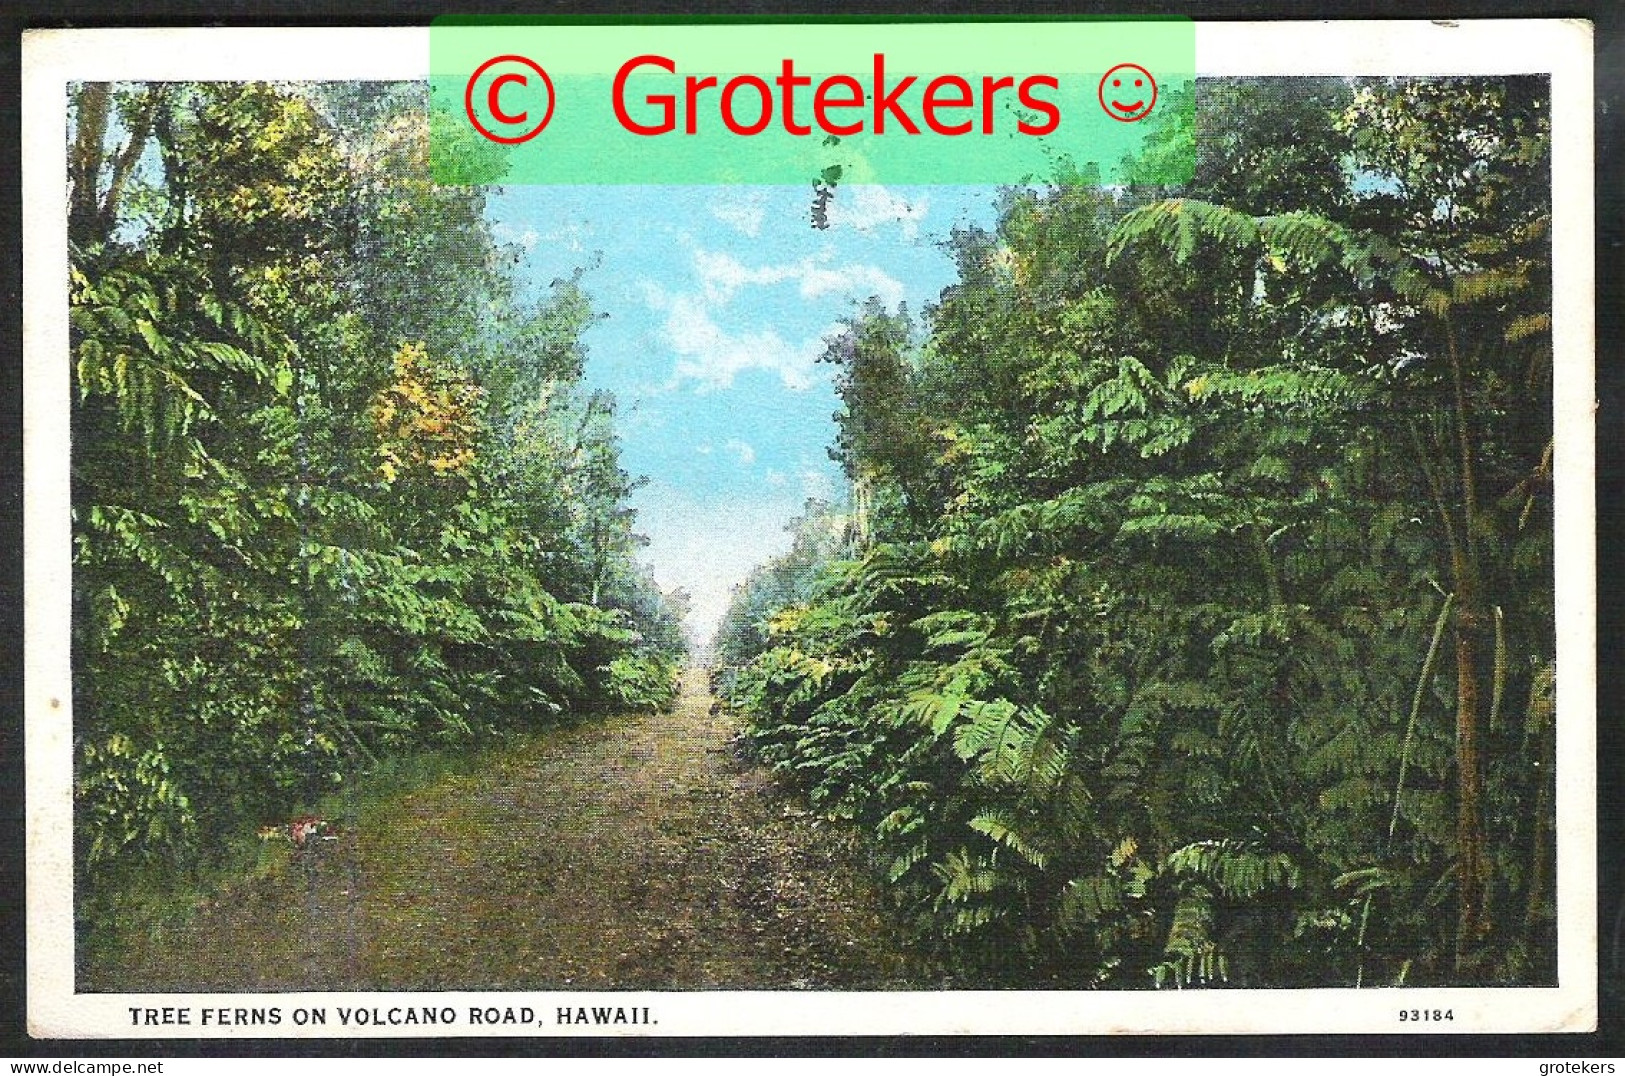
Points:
(53, 59)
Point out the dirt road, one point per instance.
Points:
(634, 852)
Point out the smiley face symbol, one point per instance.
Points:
(1128, 92)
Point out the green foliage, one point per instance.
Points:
(328, 513)
(1132, 666)
(642, 681)
(129, 803)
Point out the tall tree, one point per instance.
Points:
(1216, 640)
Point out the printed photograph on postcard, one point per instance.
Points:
(747, 527)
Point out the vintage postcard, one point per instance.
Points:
(754, 527)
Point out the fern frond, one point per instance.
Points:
(1238, 871)
(1002, 826)
(1177, 225)
(1193, 956)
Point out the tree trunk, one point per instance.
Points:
(1472, 858)
(92, 216)
(92, 102)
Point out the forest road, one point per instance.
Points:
(632, 852)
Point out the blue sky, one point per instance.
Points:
(718, 301)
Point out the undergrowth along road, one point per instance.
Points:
(635, 852)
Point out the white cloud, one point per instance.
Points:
(866, 207)
(506, 233)
(571, 236)
(742, 449)
(744, 215)
(816, 484)
(722, 275)
(711, 355)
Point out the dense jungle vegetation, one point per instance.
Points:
(1191, 621)
(339, 494)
